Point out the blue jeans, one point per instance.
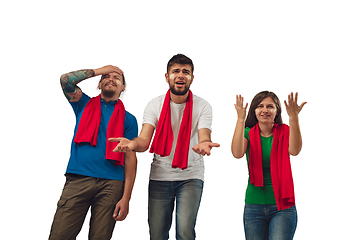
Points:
(263, 222)
(162, 196)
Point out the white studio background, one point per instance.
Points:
(238, 47)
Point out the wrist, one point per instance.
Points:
(241, 121)
(294, 117)
(97, 71)
(126, 197)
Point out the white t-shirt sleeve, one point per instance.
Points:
(152, 111)
(205, 119)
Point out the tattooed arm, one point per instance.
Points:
(69, 83)
(70, 80)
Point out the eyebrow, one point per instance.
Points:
(178, 69)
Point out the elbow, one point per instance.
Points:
(295, 152)
(237, 155)
(64, 79)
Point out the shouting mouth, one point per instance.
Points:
(180, 84)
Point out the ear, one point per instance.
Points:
(167, 77)
(99, 85)
(192, 79)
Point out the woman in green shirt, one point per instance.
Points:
(270, 211)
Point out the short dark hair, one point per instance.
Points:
(251, 119)
(180, 59)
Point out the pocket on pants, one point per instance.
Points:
(58, 215)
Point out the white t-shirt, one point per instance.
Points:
(161, 167)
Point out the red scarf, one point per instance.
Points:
(164, 136)
(281, 175)
(89, 127)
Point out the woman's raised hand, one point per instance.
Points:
(239, 106)
(292, 107)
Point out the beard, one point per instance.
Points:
(108, 93)
(179, 92)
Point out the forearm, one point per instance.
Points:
(141, 144)
(204, 135)
(130, 174)
(238, 141)
(70, 80)
(295, 139)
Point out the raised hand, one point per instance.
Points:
(292, 107)
(239, 106)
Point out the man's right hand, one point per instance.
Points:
(108, 69)
(124, 144)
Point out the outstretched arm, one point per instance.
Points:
(205, 144)
(293, 110)
(239, 142)
(70, 80)
(138, 144)
(122, 207)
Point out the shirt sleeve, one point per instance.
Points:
(152, 112)
(80, 105)
(205, 120)
(246, 133)
(130, 126)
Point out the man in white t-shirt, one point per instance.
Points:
(182, 121)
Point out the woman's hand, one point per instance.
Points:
(239, 106)
(292, 108)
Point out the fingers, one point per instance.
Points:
(116, 211)
(120, 213)
(204, 148)
(302, 105)
(201, 151)
(123, 145)
(214, 145)
(246, 105)
(114, 139)
(109, 69)
(240, 102)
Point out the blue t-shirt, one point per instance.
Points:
(90, 160)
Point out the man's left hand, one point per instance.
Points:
(204, 148)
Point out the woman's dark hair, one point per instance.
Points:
(251, 119)
(180, 59)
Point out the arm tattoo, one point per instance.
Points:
(70, 80)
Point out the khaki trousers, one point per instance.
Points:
(79, 193)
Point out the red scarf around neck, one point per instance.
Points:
(164, 136)
(89, 124)
(280, 166)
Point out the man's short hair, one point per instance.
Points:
(180, 59)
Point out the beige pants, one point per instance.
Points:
(79, 193)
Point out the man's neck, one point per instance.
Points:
(107, 99)
(178, 99)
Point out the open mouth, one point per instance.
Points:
(110, 84)
(180, 83)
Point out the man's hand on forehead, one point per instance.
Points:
(108, 69)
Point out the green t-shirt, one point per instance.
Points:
(261, 195)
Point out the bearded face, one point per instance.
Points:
(179, 79)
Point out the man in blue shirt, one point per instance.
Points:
(94, 177)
